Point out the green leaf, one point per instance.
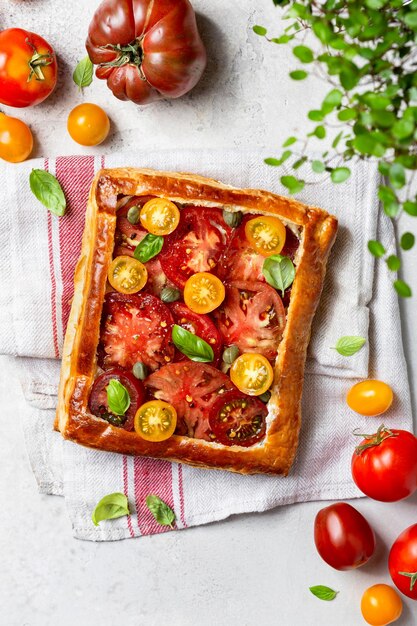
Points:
(318, 166)
(83, 73)
(289, 142)
(272, 161)
(316, 115)
(47, 190)
(407, 241)
(282, 39)
(347, 114)
(192, 345)
(322, 30)
(150, 246)
(393, 263)
(397, 175)
(297, 164)
(340, 174)
(403, 129)
(403, 290)
(110, 507)
(298, 75)
(411, 19)
(118, 397)
(337, 139)
(304, 54)
(323, 593)
(279, 271)
(292, 184)
(366, 144)
(259, 30)
(163, 513)
(410, 208)
(349, 345)
(319, 132)
(376, 248)
(332, 100)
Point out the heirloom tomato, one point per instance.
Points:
(402, 562)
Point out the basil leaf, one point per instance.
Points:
(111, 506)
(279, 271)
(163, 514)
(150, 246)
(192, 345)
(47, 190)
(323, 593)
(349, 345)
(118, 397)
(83, 73)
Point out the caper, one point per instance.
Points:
(265, 396)
(133, 214)
(232, 219)
(170, 294)
(230, 354)
(140, 370)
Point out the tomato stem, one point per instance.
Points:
(37, 62)
(412, 576)
(375, 439)
(131, 53)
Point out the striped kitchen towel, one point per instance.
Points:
(39, 252)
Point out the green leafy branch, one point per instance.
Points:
(367, 52)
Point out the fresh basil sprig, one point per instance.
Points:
(323, 593)
(83, 73)
(192, 345)
(163, 513)
(47, 190)
(279, 271)
(349, 345)
(111, 506)
(118, 397)
(150, 246)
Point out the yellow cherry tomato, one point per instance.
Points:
(203, 292)
(156, 420)
(159, 216)
(252, 373)
(266, 234)
(88, 124)
(381, 605)
(127, 275)
(370, 397)
(16, 140)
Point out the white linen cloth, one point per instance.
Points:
(38, 255)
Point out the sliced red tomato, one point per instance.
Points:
(98, 397)
(238, 419)
(252, 317)
(192, 389)
(135, 327)
(196, 245)
(198, 324)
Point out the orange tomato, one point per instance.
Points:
(127, 275)
(155, 420)
(266, 234)
(159, 216)
(370, 397)
(252, 374)
(203, 292)
(16, 140)
(88, 124)
(381, 605)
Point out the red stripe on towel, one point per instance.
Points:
(181, 492)
(52, 275)
(125, 491)
(151, 476)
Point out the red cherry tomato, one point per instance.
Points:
(402, 562)
(384, 465)
(192, 389)
(28, 68)
(198, 324)
(136, 327)
(98, 397)
(238, 419)
(343, 537)
(146, 50)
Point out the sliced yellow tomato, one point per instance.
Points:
(252, 373)
(266, 234)
(127, 275)
(155, 420)
(203, 292)
(159, 216)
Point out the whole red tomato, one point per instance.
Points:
(384, 465)
(343, 537)
(28, 68)
(402, 562)
(146, 49)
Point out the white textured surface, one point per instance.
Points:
(254, 569)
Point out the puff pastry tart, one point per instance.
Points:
(190, 321)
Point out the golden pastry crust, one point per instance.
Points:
(275, 454)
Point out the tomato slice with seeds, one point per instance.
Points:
(196, 244)
(135, 327)
(252, 373)
(203, 292)
(265, 234)
(198, 324)
(155, 420)
(127, 275)
(192, 389)
(98, 397)
(252, 317)
(237, 419)
(160, 216)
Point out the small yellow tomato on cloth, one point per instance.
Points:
(88, 124)
(16, 140)
(370, 397)
(381, 605)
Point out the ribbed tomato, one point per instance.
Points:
(146, 49)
